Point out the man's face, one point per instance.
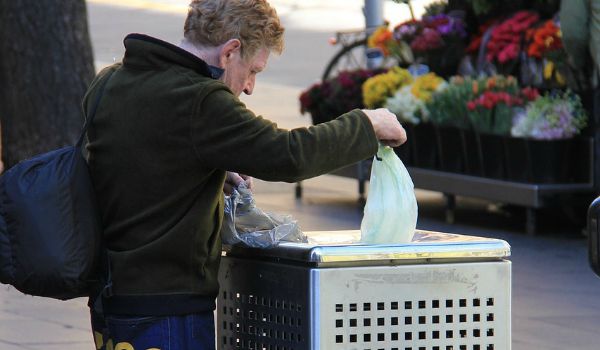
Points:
(240, 74)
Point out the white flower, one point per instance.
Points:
(521, 124)
(405, 105)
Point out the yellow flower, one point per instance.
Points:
(380, 38)
(548, 70)
(376, 89)
(425, 85)
(560, 79)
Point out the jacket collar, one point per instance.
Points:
(146, 51)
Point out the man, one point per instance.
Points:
(168, 128)
(580, 27)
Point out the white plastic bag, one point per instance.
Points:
(245, 223)
(390, 214)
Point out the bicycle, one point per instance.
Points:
(353, 54)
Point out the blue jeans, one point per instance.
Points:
(194, 331)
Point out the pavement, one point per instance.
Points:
(555, 296)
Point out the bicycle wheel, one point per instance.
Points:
(350, 57)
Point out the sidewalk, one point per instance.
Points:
(556, 298)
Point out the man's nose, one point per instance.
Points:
(249, 86)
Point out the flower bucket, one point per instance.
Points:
(492, 155)
(550, 160)
(450, 149)
(471, 152)
(518, 163)
(581, 159)
(425, 146)
(445, 61)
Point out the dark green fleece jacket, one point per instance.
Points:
(165, 133)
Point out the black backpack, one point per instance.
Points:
(50, 228)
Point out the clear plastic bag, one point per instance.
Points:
(390, 214)
(246, 224)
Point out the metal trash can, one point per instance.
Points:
(440, 292)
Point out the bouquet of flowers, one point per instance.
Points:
(408, 103)
(551, 117)
(405, 105)
(447, 26)
(402, 35)
(436, 41)
(485, 104)
(378, 88)
(440, 43)
(428, 40)
(328, 100)
(382, 39)
(546, 49)
(425, 85)
(491, 110)
(448, 107)
(407, 31)
(544, 39)
(504, 45)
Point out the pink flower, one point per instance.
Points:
(428, 40)
(510, 52)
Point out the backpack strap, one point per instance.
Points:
(90, 118)
(97, 296)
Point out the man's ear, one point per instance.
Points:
(230, 48)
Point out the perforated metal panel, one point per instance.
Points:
(463, 306)
(454, 306)
(262, 306)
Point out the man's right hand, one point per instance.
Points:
(387, 128)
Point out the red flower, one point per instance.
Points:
(476, 41)
(530, 93)
(544, 39)
(345, 80)
(504, 43)
(488, 103)
(474, 45)
(471, 105)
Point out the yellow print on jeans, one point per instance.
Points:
(99, 340)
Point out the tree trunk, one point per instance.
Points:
(46, 64)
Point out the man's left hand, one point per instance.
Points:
(233, 180)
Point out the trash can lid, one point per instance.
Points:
(343, 248)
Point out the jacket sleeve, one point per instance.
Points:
(228, 136)
(574, 24)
